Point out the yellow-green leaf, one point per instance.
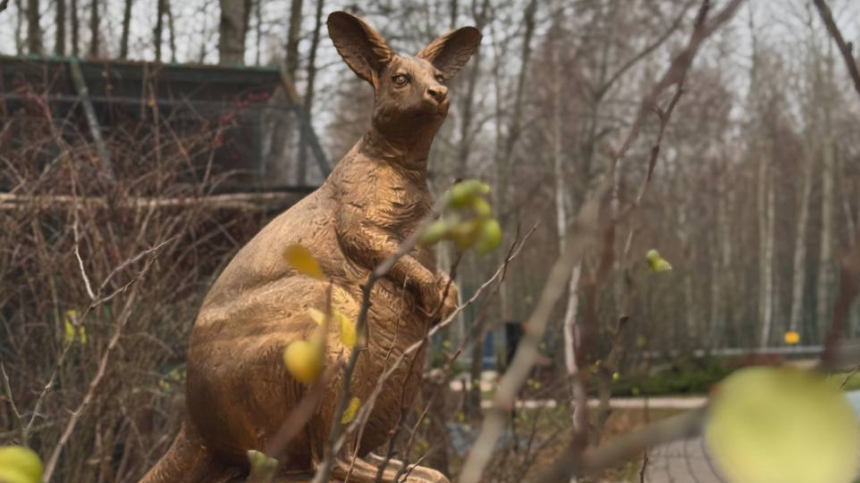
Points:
(19, 465)
(490, 237)
(466, 233)
(351, 410)
(783, 425)
(71, 330)
(262, 465)
(657, 262)
(434, 233)
(302, 261)
(482, 208)
(463, 193)
(348, 334)
(304, 360)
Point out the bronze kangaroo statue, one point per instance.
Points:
(238, 391)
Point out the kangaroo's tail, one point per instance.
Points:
(188, 461)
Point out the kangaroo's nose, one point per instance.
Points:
(438, 93)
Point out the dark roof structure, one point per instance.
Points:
(103, 92)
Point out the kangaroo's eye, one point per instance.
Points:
(400, 80)
(440, 78)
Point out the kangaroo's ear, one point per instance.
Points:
(450, 52)
(363, 49)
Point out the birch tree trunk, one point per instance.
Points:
(569, 323)
(766, 232)
(799, 267)
(826, 256)
(690, 315)
(828, 171)
(720, 264)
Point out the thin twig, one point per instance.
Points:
(19, 420)
(87, 283)
(644, 467)
(849, 376)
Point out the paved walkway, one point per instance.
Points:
(682, 462)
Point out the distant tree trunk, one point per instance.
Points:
(34, 30)
(171, 30)
(246, 23)
(231, 33)
(283, 128)
(159, 28)
(826, 257)
(721, 286)
(126, 29)
(258, 9)
(465, 144)
(844, 189)
(571, 312)
(293, 36)
(76, 28)
(689, 337)
(60, 21)
(766, 242)
(307, 105)
(95, 25)
(828, 199)
(19, 27)
(799, 270)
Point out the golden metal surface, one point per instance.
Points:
(238, 390)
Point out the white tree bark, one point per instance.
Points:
(766, 232)
(569, 323)
(799, 270)
(826, 256)
(690, 314)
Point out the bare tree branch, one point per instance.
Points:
(844, 47)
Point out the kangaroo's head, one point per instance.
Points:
(410, 95)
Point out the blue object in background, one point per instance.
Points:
(489, 358)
